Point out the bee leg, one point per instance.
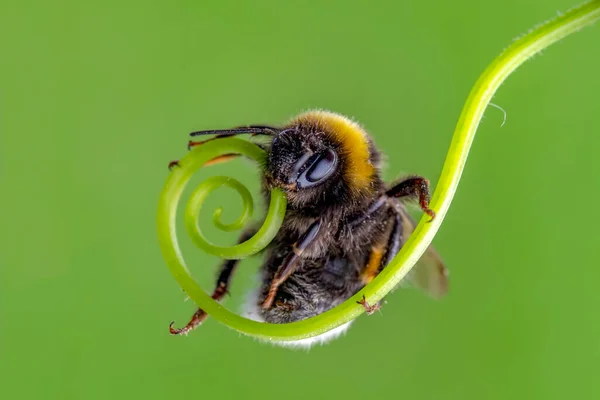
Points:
(369, 309)
(283, 272)
(288, 266)
(415, 186)
(193, 143)
(395, 240)
(221, 159)
(220, 291)
(217, 160)
(376, 261)
(218, 294)
(371, 270)
(362, 217)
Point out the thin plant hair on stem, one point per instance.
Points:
(479, 98)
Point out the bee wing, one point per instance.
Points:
(429, 274)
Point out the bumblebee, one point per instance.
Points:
(342, 226)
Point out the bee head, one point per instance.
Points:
(305, 165)
(323, 159)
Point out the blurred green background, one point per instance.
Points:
(97, 97)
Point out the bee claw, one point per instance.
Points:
(369, 309)
(178, 331)
(431, 213)
(193, 143)
(174, 164)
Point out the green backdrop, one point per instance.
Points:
(97, 97)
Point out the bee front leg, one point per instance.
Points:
(415, 186)
(288, 266)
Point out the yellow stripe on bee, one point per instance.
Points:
(353, 140)
(372, 268)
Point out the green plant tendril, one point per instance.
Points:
(479, 98)
(193, 209)
(174, 187)
(209, 185)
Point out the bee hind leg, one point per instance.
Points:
(380, 256)
(369, 309)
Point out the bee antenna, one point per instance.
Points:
(251, 130)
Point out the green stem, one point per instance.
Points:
(479, 98)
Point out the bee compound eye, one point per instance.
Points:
(318, 169)
(322, 167)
